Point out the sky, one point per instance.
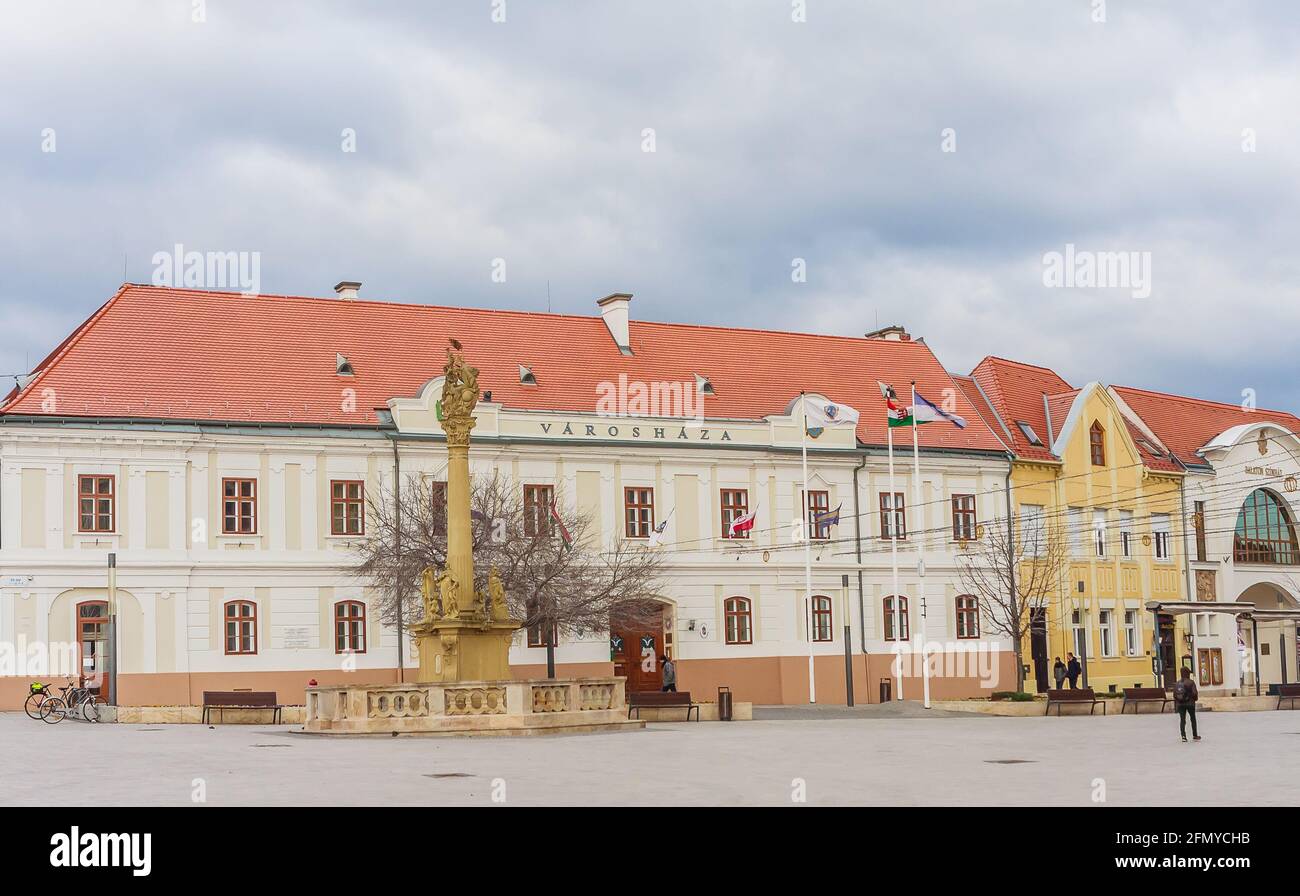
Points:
(817, 166)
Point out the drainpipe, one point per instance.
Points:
(397, 516)
(857, 548)
(1011, 565)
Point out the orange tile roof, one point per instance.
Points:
(1185, 424)
(181, 354)
(1016, 392)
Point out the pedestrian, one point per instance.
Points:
(1185, 697)
(1073, 669)
(1058, 672)
(670, 674)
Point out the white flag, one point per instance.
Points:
(828, 413)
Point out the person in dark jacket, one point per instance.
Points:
(670, 673)
(1185, 697)
(1073, 669)
(1058, 673)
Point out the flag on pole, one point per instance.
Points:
(742, 523)
(895, 413)
(657, 532)
(928, 412)
(564, 532)
(828, 413)
(827, 517)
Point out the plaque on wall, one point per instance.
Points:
(296, 637)
(1205, 584)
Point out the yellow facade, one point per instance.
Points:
(1109, 587)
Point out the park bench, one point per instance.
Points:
(656, 699)
(1074, 695)
(1144, 695)
(1287, 692)
(223, 700)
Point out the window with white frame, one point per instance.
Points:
(1160, 536)
(1099, 532)
(1077, 630)
(1130, 632)
(1076, 530)
(1106, 621)
(1126, 533)
(1032, 536)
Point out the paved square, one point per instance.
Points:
(845, 758)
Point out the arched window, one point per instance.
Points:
(1264, 532)
(739, 617)
(1097, 444)
(241, 627)
(821, 618)
(903, 633)
(349, 627)
(968, 616)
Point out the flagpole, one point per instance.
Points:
(893, 541)
(920, 547)
(807, 548)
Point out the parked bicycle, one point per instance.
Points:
(73, 700)
(39, 694)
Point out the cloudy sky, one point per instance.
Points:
(1169, 128)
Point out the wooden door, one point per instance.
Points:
(1038, 646)
(635, 652)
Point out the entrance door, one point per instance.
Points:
(1168, 658)
(1038, 646)
(92, 633)
(635, 645)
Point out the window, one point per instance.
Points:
(438, 494)
(1198, 521)
(817, 503)
(1210, 661)
(1160, 534)
(739, 620)
(537, 509)
(1075, 516)
(821, 618)
(1031, 529)
(349, 627)
(1099, 532)
(241, 627)
(347, 507)
(1097, 444)
(1130, 632)
(1264, 532)
(537, 635)
(1106, 619)
(1028, 432)
(968, 616)
(1077, 630)
(639, 509)
(95, 503)
(92, 633)
(963, 517)
(1126, 533)
(893, 515)
(239, 506)
(735, 504)
(896, 628)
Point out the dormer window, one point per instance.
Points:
(526, 376)
(342, 366)
(1097, 444)
(1028, 432)
(703, 386)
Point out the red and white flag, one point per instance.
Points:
(742, 523)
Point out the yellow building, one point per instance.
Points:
(1107, 494)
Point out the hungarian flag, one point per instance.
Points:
(742, 523)
(895, 413)
(564, 532)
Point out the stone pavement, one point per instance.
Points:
(853, 759)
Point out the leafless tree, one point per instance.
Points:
(572, 586)
(1013, 573)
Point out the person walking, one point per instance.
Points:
(1073, 669)
(1185, 697)
(1058, 673)
(670, 673)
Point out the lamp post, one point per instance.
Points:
(112, 628)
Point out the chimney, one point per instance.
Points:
(890, 334)
(347, 289)
(613, 308)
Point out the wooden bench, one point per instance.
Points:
(223, 700)
(657, 699)
(1143, 695)
(1287, 692)
(1074, 695)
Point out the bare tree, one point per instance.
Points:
(1013, 574)
(567, 585)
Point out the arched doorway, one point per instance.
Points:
(1276, 638)
(640, 632)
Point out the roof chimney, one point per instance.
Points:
(613, 308)
(347, 289)
(894, 333)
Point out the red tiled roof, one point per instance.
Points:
(1016, 392)
(1185, 424)
(972, 392)
(162, 353)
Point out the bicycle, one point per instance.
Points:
(39, 694)
(71, 701)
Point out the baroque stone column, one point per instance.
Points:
(465, 634)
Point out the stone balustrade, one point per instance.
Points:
(469, 707)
